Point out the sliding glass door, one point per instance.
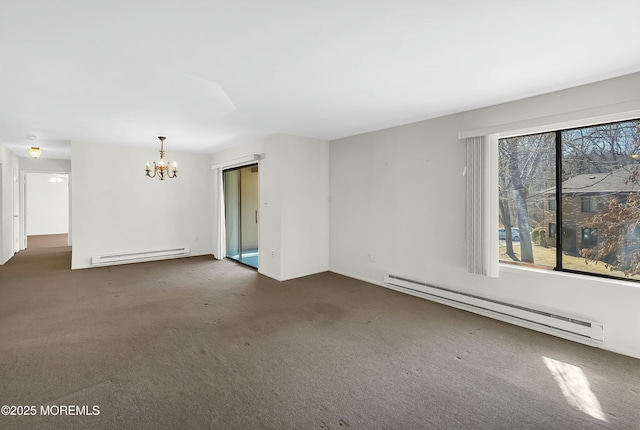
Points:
(241, 214)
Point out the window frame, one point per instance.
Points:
(589, 236)
(592, 204)
(557, 131)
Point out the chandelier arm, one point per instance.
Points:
(155, 171)
(173, 170)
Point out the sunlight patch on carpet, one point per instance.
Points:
(575, 387)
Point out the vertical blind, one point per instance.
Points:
(220, 250)
(482, 205)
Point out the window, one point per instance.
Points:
(588, 204)
(574, 196)
(589, 237)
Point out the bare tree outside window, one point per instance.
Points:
(526, 172)
(600, 169)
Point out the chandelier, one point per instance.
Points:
(162, 168)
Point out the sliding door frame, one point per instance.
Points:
(239, 220)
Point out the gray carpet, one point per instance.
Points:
(202, 344)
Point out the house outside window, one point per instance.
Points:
(599, 204)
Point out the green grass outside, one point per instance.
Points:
(546, 256)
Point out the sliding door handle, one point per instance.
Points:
(256, 216)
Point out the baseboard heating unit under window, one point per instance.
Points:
(560, 325)
(137, 257)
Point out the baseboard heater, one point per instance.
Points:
(547, 322)
(136, 257)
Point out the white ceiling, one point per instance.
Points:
(212, 73)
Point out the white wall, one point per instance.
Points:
(294, 195)
(9, 162)
(47, 204)
(116, 208)
(304, 206)
(398, 196)
(29, 164)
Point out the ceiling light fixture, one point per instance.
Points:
(162, 168)
(35, 152)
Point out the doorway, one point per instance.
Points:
(241, 214)
(46, 210)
